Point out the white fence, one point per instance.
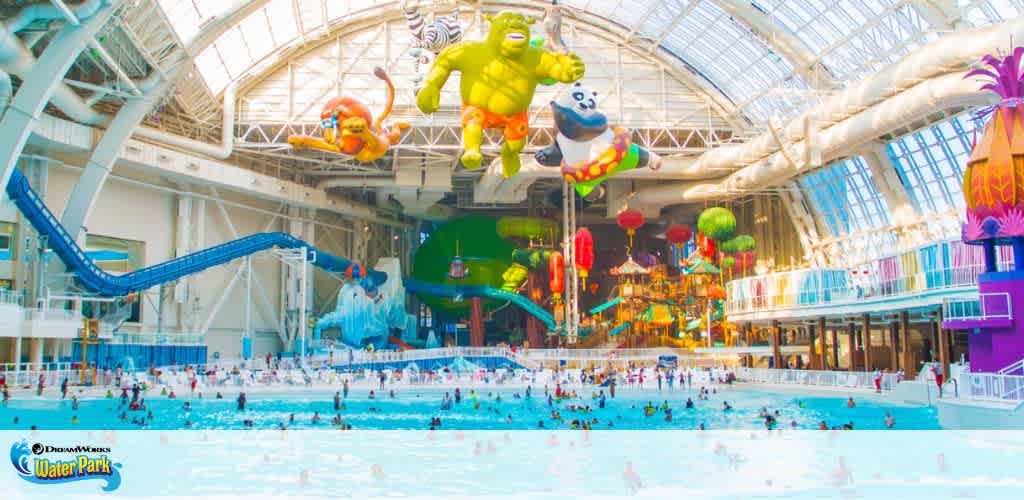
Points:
(864, 380)
(10, 297)
(27, 374)
(992, 387)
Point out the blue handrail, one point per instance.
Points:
(99, 281)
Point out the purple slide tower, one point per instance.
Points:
(994, 194)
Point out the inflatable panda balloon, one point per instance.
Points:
(588, 150)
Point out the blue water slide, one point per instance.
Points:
(601, 308)
(439, 290)
(96, 280)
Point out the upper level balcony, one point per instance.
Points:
(924, 277)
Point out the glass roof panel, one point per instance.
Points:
(845, 197)
(737, 61)
(852, 38)
(984, 12)
(930, 163)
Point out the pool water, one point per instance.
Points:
(412, 409)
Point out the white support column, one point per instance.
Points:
(182, 246)
(568, 252)
(16, 352)
(804, 223)
(247, 333)
(904, 216)
(35, 354)
(198, 243)
(47, 73)
(303, 303)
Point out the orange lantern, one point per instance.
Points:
(556, 275)
(584, 253)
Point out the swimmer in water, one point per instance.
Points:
(850, 403)
(890, 422)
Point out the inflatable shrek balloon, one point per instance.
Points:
(499, 77)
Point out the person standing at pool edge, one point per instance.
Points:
(937, 370)
(878, 380)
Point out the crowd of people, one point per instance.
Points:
(563, 393)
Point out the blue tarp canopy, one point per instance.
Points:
(668, 361)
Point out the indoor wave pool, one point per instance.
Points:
(413, 408)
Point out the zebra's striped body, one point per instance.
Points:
(435, 36)
(429, 39)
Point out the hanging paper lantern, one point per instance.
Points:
(556, 275)
(994, 179)
(630, 220)
(717, 223)
(584, 253)
(679, 234)
(739, 243)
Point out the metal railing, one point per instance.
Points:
(1013, 368)
(890, 276)
(157, 338)
(848, 291)
(863, 380)
(994, 387)
(12, 297)
(52, 314)
(17, 375)
(988, 306)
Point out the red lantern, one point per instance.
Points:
(630, 220)
(584, 253)
(556, 275)
(679, 234)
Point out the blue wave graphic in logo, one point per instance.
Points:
(20, 454)
(19, 458)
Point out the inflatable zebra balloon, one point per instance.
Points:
(429, 39)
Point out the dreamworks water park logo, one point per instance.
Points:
(48, 464)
